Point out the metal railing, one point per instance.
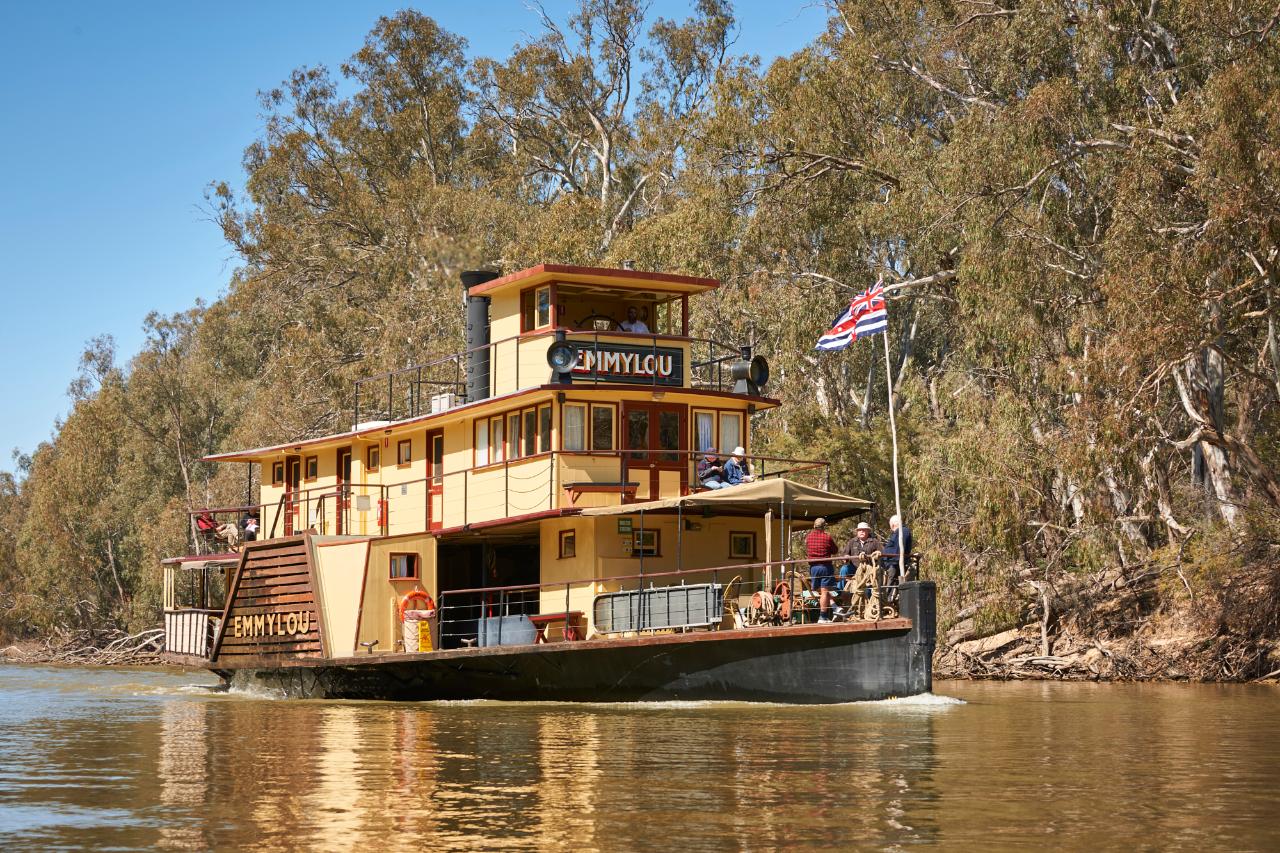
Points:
(746, 595)
(407, 392)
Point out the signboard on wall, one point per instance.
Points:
(637, 365)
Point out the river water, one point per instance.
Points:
(128, 759)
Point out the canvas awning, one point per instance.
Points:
(800, 501)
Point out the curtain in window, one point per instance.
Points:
(574, 428)
(704, 427)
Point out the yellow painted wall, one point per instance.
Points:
(340, 564)
(379, 617)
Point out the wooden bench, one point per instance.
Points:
(569, 618)
(576, 490)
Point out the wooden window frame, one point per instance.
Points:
(475, 443)
(371, 466)
(568, 543)
(750, 556)
(414, 565)
(532, 293)
(586, 425)
(308, 463)
(635, 542)
(400, 444)
(742, 428)
(613, 428)
(277, 473)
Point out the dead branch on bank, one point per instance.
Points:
(111, 647)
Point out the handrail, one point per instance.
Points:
(457, 361)
(644, 575)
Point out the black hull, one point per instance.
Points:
(801, 664)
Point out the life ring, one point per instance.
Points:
(416, 594)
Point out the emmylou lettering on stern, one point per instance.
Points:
(621, 363)
(271, 624)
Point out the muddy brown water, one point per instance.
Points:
(131, 759)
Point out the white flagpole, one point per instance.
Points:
(893, 431)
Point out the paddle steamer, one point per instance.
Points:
(522, 520)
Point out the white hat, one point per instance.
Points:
(738, 451)
(862, 525)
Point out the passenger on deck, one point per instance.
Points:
(819, 548)
(897, 542)
(205, 525)
(229, 532)
(250, 525)
(633, 323)
(864, 547)
(709, 471)
(735, 470)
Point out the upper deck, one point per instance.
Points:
(579, 387)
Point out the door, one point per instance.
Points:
(292, 496)
(435, 479)
(342, 501)
(658, 461)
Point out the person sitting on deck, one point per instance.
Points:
(735, 470)
(709, 471)
(633, 323)
(819, 548)
(250, 525)
(898, 542)
(206, 527)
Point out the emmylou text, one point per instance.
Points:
(271, 624)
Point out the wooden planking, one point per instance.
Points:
(275, 578)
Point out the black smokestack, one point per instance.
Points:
(477, 335)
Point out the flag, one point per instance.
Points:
(866, 315)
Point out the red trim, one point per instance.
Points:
(602, 272)
(512, 519)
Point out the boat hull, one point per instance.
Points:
(797, 664)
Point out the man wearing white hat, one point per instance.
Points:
(862, 547)
(735, 470)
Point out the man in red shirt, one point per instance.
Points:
(819, 548)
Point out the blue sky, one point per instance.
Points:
(114, 118)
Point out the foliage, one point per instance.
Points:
(1073, 205)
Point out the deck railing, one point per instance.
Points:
(440, 384)
(777, 592)
(509, 488)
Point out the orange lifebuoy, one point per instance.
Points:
(416, 594)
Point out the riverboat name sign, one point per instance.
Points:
(271, 605)
(638, 365)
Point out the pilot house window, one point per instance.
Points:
(404, 452)
(535, 308)
(581, 434)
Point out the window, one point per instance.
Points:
(704, 431)
(277, 473)
(495, 438)
(311, 468)
(742, 545)
(513, 436)
(436, 441)
(372, 457)
(602, 427)
(535, 308)
(644, 543)
(404, 566)
(575, 427)
(529, 433)
(404, 453)
(482, 442)
(568, 544)
(544, 428)
(730, 431)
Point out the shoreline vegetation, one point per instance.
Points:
(1076, 214)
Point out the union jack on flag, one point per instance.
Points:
(866, 315)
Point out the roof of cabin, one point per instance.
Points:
(632, 279)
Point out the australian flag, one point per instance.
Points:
(866, 315)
